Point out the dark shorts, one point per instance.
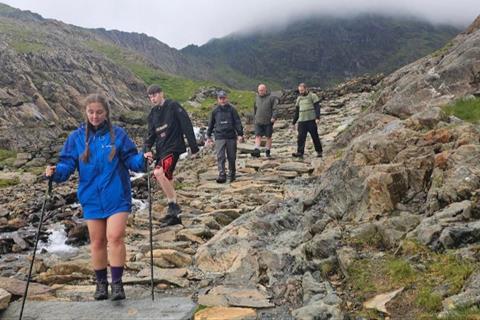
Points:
(168, 163)
(264, 130)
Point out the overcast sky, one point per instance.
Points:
(182, 22)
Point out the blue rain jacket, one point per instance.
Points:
(104, 186)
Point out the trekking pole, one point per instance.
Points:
(151, 227)
(37, 237)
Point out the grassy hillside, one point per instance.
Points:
(175, 87)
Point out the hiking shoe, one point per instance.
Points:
(319, 154)
(173, 209)
(117, 291)
(255, 153)
(297, 155)
(170, 220)
(221, 179)
(101, 291)
(232, 177)
(267, 154)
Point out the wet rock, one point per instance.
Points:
(175, 308)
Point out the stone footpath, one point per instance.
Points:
(64, 284)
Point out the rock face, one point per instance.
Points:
(47, 69)
(447, 74)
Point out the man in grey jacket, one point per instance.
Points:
(265, 116)
(226, 126)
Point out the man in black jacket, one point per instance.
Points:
(168, 122)
(226, 125)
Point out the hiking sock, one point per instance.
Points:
(117, 273)
(101, 275)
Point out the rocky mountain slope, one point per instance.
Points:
(47, 68)
(324, 50)
(389, 213)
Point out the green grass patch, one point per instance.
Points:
(465, 109)
(442, 51)
(464, 314)
(400, 271)
(177, 88)
(22, 38)
(5, 154)
(241, 99)
(429, 301)
(8, 182)
(35, 170)
(369, 277)
(27, 46)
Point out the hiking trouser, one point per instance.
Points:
(305, 127)
(228, 147)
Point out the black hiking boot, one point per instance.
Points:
(221, 178)
(319, 154)
(117, 291)
(255, 153)
(297, 155)
(232, 176)
(173, 209)
(267, 154)
(170, 220)
(101, 291)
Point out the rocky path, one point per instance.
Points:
(184, 265)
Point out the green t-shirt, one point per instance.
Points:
(306, 106)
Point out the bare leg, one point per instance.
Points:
(258, 141)
(116, 225)
(269, 143)
(97, 229)
(167, 185)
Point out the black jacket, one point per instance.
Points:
(166, 126)
(225, 123)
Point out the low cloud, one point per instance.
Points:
(182, 22)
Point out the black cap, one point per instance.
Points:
(221, 94)
(152, 89)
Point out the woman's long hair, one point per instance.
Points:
(101, 99)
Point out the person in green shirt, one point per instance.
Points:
(307, 114)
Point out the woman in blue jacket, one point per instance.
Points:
(102, 154)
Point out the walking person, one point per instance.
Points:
(307, 114)
(227, 128)
(265, 116)
(168, 123)
(102, 153)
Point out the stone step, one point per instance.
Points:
(172, 308)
